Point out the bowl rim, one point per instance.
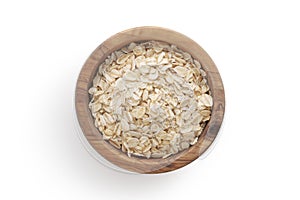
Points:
(114, 155)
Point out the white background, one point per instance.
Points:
(256, 46)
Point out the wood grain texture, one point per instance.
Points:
(115, 156)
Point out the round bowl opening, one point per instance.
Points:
(116, 156)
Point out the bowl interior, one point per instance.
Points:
(137, 164)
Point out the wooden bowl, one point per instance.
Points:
(115, 156)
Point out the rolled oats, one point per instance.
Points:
(150, 99)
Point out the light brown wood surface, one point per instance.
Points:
(115, 156)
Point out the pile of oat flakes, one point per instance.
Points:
(150, 99)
